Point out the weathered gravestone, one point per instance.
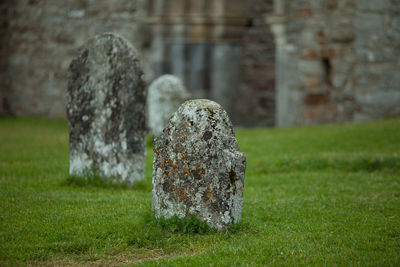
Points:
(198, 168)
(106, 111)
(164, 97)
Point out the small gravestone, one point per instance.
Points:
(198, 168)
(106, 111)
(165, 95)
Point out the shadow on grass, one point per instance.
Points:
(97, 181)
(166, 233)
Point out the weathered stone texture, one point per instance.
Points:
(106, 110)
(198, 168)
(39, 37)
(222, 50)
(314, 56)
(377, 50)
(257, 96)
(335, 60)
(165, 95)
(328, 54)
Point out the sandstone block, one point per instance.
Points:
(106, 110)
(198, 168)
(165, 95)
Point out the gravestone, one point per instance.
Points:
(106, 111)
(164, 97)
(198, 168)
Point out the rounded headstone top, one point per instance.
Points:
(104, 55)
(168, 84)
(104, 39)
(203, 113)
(203, 104)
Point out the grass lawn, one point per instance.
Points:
(323, 195)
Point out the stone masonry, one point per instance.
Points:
(332, 60)
(377, 52)
(198, 168)
(190, 39)
(221, 49)
(336, 60)
(199, 42)
(257, 95)
(106, 111)
(195, 40)
(38, 38)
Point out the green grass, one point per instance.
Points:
(323, 195)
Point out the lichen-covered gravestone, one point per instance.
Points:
(198, 168)
(106, 111)
(165, 95)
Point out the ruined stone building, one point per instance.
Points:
(282, 62)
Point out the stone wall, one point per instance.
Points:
(221, 49)
(377, 52)
(200, 42)
(38, 39)
(332, 60)
(258, 67)
(314, 57)
(335, 60)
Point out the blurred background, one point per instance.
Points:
(267, 62)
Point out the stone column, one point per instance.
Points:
(199, 76)
(226, 53)
(175, 41)
(225, 76)
(203, 40)
(288, 101)
(198, 49)
(157, 51)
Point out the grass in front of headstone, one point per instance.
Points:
(321, 195)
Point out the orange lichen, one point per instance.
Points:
(186, 171)
(208, 193)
